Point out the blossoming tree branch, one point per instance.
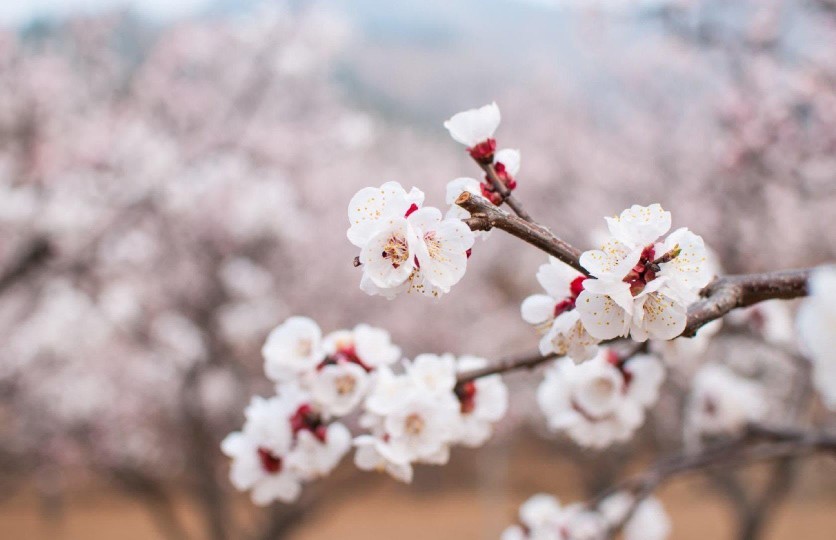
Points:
(601, 316)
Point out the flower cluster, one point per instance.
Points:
(642, 284)
(404, 246)
(542, 517)
(415, 417)
(600, 401)
(817, 327)
(412, 416)
(475, 128)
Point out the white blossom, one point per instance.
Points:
(316, 454)
(595, 402)
(404, 247)
(722, 402)
(817, 328)
(474, 126)
(258, 452)
(642, 286)
(554, 315)
(338, 388)
(292, 348)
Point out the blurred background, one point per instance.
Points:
(173, 183)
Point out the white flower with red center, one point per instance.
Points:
(292, 349)
(641, 286)
(482, 402)
(258, 453)
(817, 328)
(317, 452)
(600, 401)
(554, 315)
(317, 445)
(405, 248)
(722, 402)
(372, 209)
(342, 379)
(474, 128)
(442, 252)
(415, 413)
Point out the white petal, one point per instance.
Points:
(689, 271)
(537, 308)
(601, 316)
(555, 277)
(639, 226)
(663, 318)
(474, 126)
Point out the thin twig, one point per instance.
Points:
(781, 443)
(486, 216)
(508, 364)
(507, 197)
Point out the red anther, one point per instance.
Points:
(320, 432)
(563, 306)
(648, 254)
(301, 418)
(511, 184)
(613, 358)
(576, 287)
(469, 252)
(466, 393)
(483, 152)
(417, 263)
(269, 462)
(412, 207)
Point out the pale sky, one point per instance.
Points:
(14, 12)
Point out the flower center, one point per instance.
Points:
(568, 303)
(648, 266)
(396, 250)
(433, 244)
(414, 424)
(306, 418)
(345, 353)
(304, 347)
(345, 384)
(466, 393)
(269, 462)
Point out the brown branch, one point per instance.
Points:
(37, 252)
(726, 293)
(504, 192)
(781, 443)
(508, 364)
(485, 216)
